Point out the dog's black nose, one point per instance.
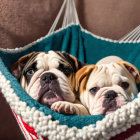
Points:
(47, 77)
(110, 95)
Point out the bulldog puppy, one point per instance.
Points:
(106, 87)
(49, 78)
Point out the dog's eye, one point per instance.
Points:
(66, 69)
(124, 85)
(94, 90)
(30, 72)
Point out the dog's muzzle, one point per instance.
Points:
(50, 91)
(110, 103)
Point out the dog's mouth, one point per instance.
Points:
(110, 107)
(110, 110)
(50, 93)
(49, 97)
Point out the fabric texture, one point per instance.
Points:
(69, 40)
(23, 22)
(79, 43)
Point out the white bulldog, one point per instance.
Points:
(107, 86)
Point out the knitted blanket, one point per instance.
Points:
(40, 122)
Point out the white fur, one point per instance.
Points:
(48, 63)
(107, 77)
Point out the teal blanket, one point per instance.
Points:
(80, 44)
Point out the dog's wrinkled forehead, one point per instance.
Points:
(108, 73)
(111, 68)
(47, 60)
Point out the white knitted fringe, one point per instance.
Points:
(114, 123)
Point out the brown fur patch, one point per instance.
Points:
(127, 64)
(82, 77)
(18, 66)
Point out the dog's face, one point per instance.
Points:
(106, 87)
(47, 77)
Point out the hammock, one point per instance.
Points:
(40, 122)
(133, 36)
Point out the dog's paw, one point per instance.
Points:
(63, 107)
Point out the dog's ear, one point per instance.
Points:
(132, 70)
(75, 63)
(82, 77)
(17, 67)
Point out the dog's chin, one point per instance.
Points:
(49, 97)
(109, 106)
(104, 111)
(104, 107)
(110, 110)
(113, 106)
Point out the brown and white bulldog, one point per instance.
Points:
(49, 78)
(107, 86)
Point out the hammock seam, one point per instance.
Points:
(16, 50)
